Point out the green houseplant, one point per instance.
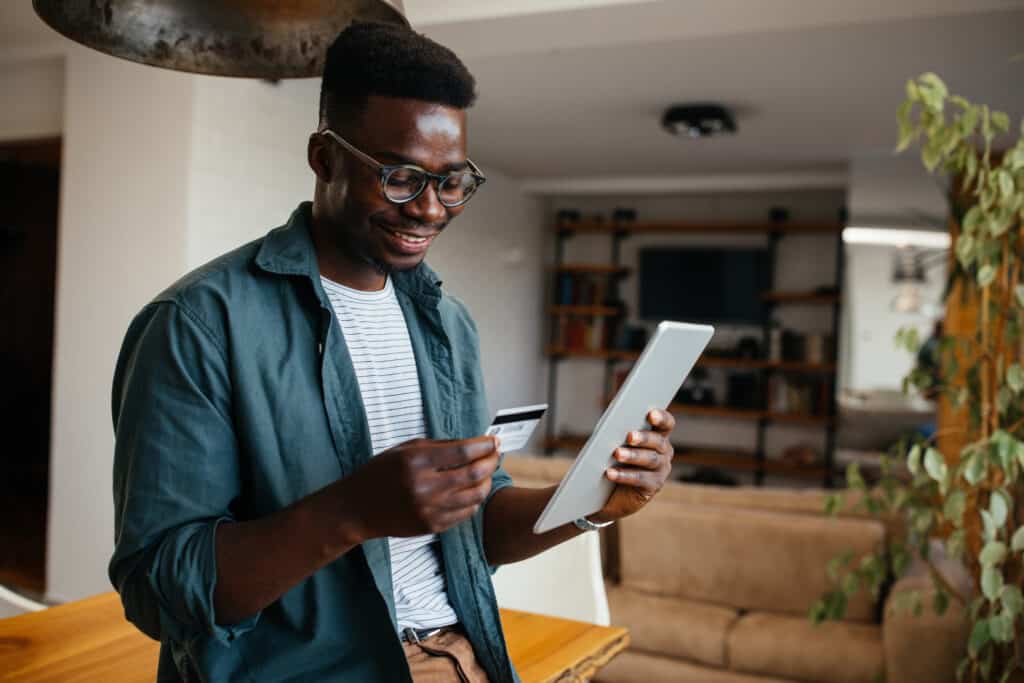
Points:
(972, 499)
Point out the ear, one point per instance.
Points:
(318, 155)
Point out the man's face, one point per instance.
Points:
(362, 222)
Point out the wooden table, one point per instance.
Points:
(90, 640)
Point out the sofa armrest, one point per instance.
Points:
(927, 647)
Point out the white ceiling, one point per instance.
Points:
(575, 88)
(814, 84)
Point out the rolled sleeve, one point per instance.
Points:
(176, 474)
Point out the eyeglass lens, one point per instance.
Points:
(404, 184)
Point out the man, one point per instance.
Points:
(301, 488)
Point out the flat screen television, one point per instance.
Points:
(711, 285)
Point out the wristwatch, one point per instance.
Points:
(587, 525)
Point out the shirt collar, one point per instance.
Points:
(289, 250)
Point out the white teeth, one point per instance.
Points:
(408, 238)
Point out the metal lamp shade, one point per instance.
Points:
(269, 39)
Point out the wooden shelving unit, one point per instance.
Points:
(583, 310)
(801, 298)
(592, 269)
(753, 461)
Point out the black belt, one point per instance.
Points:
(415, 635)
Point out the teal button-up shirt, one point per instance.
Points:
(234, 396)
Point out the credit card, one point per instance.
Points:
(514, 426)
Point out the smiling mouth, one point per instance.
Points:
(409, 237)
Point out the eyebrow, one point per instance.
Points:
(458, 166)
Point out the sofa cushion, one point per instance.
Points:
(636, 667)
(745, 559)
(793, 647)
(903, 632)
(672, 627)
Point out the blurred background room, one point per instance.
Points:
(724, 161)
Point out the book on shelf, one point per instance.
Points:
(581, 289)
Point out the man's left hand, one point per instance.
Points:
(643, 465)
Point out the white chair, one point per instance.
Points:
(12, 604)
(565, 581)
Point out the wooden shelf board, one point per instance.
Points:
(583, 310)
(800, 298)
(592, 268)
(594, 226)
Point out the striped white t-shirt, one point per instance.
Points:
(378, 342)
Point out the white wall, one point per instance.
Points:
(249, 171)
(873, 361)
(33, 93)
(122, 240)
(164, 171)
(492, 258)
(885, 191)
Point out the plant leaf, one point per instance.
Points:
(1005, 181)
(934, 465)
(1001, 628)
(1019, 292)
(991, 582)
(980, 637)
(1012, 599)
(934, 83)
(1015, 377)
(1017, 543)
(992, 554)
(986, 274)
(953, 509)
(999, 509)
(989, 525)
(976, 468)
(914, 459)
(1000, 121)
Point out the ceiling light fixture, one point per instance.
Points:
(698, 120)
(268, 40)
(925, 239)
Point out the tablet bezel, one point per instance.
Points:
(673, 351)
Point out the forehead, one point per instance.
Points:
(425, 132)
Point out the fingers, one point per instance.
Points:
(647, 481)
(443, 455)
(662, 421)
(469, 497)
(655, 441)
(639, 457)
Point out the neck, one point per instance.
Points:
(339, 262)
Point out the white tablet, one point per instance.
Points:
(652, 383)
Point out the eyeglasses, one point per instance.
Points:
(403, 183)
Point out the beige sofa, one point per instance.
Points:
(715, 585)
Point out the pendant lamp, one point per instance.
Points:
(268, 39)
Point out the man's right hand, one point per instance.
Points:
(419, 487)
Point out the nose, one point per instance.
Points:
(427, 208)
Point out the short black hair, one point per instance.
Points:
(372, 58)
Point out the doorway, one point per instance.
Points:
(29, 192)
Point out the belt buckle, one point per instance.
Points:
(411, 635)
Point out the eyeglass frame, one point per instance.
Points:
(384, 170)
